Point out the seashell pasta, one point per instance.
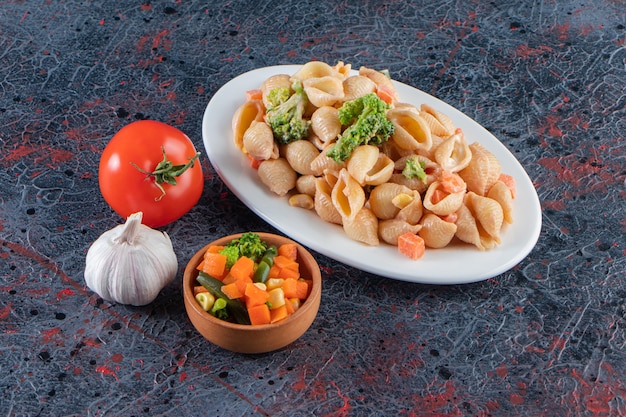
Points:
(423, 178)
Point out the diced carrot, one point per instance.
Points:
(289, 273)
(278, 314)
(255, 94)
(242, 283)
(451, 182)
(283, 262)
(309, 285)
(438, 195)
(214, 264)
(386, 93)
(242, 268)
(274, 271)
(232, 291)
(229, 279)
(259, 314)
(302, 289)
(290, 288)
(509, 181)
(200, 266)
(289, 305)
(254, 163)
(215, 248)
(255, 295)
(290, 250)
(411, 245)
(198, 289)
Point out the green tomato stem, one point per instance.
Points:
(166, 172)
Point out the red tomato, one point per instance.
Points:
(129, 159)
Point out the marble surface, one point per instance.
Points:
(546, 338)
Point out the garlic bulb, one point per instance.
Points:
(131, 263)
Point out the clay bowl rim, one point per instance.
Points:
(191, 273)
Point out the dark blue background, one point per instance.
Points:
(545, 338)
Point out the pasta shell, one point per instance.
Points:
(316, 69)
(381, 172)
(393, 151)
(477, 221)
(363, 227)
(381, 80)
(406, 106)
(440, 124)
(305, 184)
(502, 194)
(467, 229)
(357, 86)
(453, 154)
(415, 184)
(483, 170)
(258, 141)
(277, 175)
(361, 161)
(322, 163)
(347, 195)
(390, 230)
(442, 202)
(317, 141)
(304, 201)
(411, 207)
(331, 176)
(369, 166)
(431, 168)
(323, 91)
(343, 69)
(273, 82)
(383, 199)
(325, 123)
(488, 214)
(411, 131)
(251, 110)
(436, 232)
(430, 153)
(323, 203)
(300, 154)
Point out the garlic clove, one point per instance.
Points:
(131, 263)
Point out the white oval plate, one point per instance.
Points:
(456, 264)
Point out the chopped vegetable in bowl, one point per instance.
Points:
(250, 282)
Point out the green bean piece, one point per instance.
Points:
(268, 256)
(235, 307)
(220, 309)
(262, 272)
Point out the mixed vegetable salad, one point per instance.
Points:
(248, 281)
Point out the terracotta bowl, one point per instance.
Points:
(254, 338)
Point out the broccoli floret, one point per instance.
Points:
(251, 245)
(248, 244)
(287, 118)
(232, 254)
(278, 96)
(367, 124)
(414, 168)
